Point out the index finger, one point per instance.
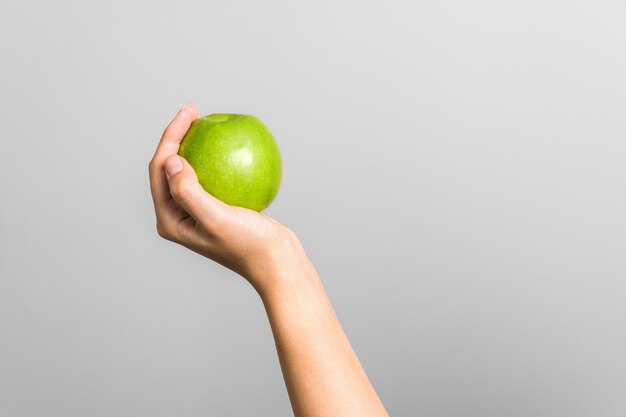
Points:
(168, 145)
(175, 131)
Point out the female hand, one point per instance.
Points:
(247, 242)
(322, 373)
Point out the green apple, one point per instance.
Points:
(236, 159)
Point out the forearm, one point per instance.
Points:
(322, 374)
(321, 371)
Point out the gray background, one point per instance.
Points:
(455, 170)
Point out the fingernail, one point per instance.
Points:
(173, 166)
(185, 108)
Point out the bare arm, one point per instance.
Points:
(321, 371)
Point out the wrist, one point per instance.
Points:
(291, 284)
(284, 268)
(295, 297)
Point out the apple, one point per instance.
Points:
(236, 159)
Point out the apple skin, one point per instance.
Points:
(236, 159)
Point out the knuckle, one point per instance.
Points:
(152, 167)
(182, 191)
(164, 231)
(293, 239)
(291, 235)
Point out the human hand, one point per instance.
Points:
(322, 374)
(249, 243)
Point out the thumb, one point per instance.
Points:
(189, 194)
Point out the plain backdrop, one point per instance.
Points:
(455, 170)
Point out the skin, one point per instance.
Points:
(322, 373)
